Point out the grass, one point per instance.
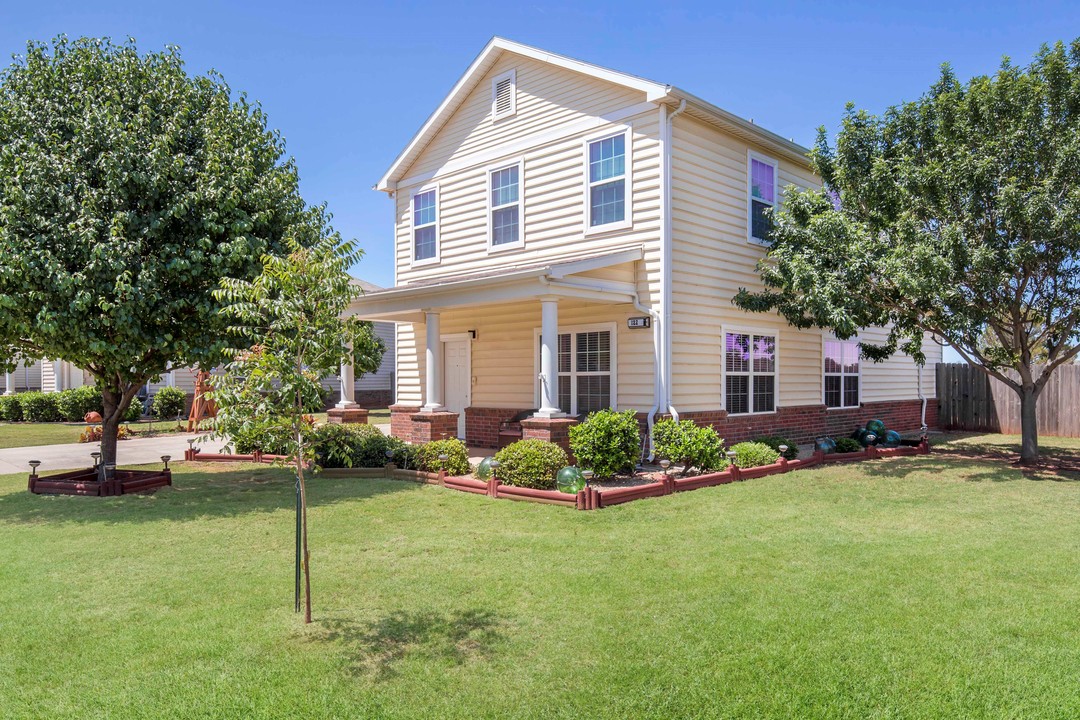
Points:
(35, 434)
(939, 586)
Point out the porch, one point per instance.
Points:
(549, 342)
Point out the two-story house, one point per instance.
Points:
(569, 238)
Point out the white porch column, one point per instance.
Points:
(549, 358)
(434, 357)
(348, 386)
(9, 387)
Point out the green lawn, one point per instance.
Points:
(943, 586)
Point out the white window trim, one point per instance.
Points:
(611, 327)
(724, 330)
(833, 338)
(436, 258)
(492, 247)
(512, 75)
(628, 178)
(750, 156)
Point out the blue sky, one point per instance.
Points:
(349, 83)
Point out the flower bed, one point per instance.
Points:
(591, 498)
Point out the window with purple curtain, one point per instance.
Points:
(749, 372)
(841, 374)
(762, 198)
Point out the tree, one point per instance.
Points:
(290, 321)
(128, 190)
(958, 215)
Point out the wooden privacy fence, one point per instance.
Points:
(968, 399)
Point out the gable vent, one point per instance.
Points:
(503, 95)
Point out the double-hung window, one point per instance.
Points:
(608, 183)
(761, 197)
(585, 363)
(749, 372)
(425, 226)
(841, 374)
(505, 207)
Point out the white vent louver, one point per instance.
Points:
(503, 95)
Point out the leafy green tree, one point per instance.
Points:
(957, 215)
(128, 190)
(290, 320)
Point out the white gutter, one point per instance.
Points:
(665, 248)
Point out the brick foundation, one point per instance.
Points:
(339, 416)
(556, 430)
(804, 423)
(482, 424)
(367, 399)
(411, 425)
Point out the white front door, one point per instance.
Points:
(457, 378)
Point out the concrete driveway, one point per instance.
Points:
(137, 451)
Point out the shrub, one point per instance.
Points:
(10, 408)
(686, 444)
(352, 446)
(274, 437)
(457, 460)
(754, 454)
(76, 403)
(40, 407)
(775, 441)
(169, 402)
(846, 445)
(531, 463)
(607, 442)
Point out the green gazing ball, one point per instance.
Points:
(483, 470)
(570, 480)
(877, 427)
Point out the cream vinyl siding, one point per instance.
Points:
(503, 366)
(548, 97)
(897, 377)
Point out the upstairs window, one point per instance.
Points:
(425, 226)
(841, 374)
(505, 207)
(504, 95)
(749, 373)
(761, 191)
(608, 179)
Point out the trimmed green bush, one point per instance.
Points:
(754, 454)
(607, 442)
(352, 446)
(272, 438)
(457, 460)
(775, 441)
(684, 443)
(134, 412)
(10, 408)
(40, 407)
(846, 445)
(531, 463)
(75, 403)
(168, 403)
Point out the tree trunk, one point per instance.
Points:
(1029, 426)
(303, 532)
(114, 405)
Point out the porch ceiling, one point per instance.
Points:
(407, 303)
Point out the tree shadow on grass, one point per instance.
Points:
(375, 649)
(980, 463)
(212, 492)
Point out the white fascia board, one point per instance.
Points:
(561, 270)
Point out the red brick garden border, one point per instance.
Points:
(590, 498)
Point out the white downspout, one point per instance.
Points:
(666, 247)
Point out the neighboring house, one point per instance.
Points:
(569, 238)
(374, 390)
(27, 376)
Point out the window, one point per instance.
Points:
(504, 95)
(585, 366)
(505, 207)
(425, 226)
(607, 187)
(841, 374)
(749, 373)
(761, 181)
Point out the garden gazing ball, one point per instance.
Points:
(570, 480)
(483, 470)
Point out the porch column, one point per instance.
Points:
(9, 387)
(347, 380)
(434, 358)
(549, 358)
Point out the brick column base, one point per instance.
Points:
(401, 421)
(428, 426)
(556, 430)
(339, 416)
